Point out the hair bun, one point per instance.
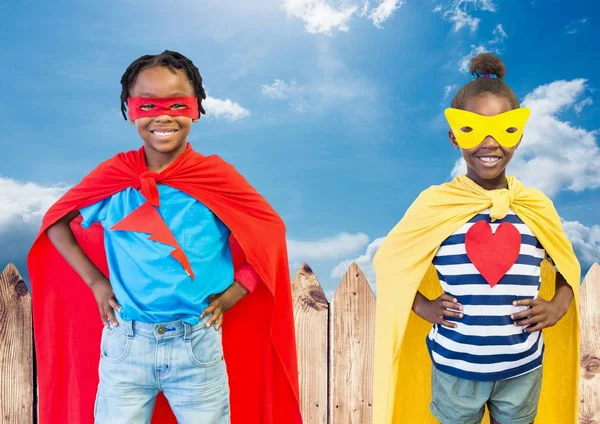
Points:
(487, 63)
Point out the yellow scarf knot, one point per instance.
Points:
(501, 201)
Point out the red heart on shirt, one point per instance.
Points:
(493, 254)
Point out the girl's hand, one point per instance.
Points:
(436, 310)
(541, 314)
(223, 302)
(107, 303)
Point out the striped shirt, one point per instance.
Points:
(486, 345)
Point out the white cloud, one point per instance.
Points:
(585, 240)
(335, 85)
(574, 26)
(299, 108)
(555, 155)
(464, 62)
(461, 19)
(279, 89)
(319, 16)
(460, 168)
(364, 261)
(365, 9)
(487, 5)
(457, 12)
(449, 89)
(493, 46)
(25, 202)
(343, 244)
(499, 35)
(385, 9)
(224, 109)
(22, 206)
(327, 16)
(585, 102)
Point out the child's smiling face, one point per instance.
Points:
(163, 134)
(488, 160)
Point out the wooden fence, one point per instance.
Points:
(335, 348)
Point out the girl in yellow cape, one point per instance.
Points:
(487, 261)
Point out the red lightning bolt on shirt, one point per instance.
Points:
(146, 219)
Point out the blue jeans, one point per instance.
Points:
(139, 360)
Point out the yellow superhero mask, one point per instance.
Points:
(470, 129)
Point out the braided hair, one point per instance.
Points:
(169, 59)
(489, 72)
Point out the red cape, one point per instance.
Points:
(258, 333)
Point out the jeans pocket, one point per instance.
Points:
(205, 347)
(114, 346)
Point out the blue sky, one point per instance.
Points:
(331, 109)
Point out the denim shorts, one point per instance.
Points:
(184, 362)
(459, 401)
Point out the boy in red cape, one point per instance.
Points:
(165, 240)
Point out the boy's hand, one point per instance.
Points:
(107, 303)
(436, 310)
(223, 302)
(541, 314)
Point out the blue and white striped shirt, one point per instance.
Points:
(486, 345)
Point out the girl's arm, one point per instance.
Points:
(563, 295)
(542, 313)
(436, 311)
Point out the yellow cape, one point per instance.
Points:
(403, 264)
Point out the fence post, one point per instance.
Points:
(16, 349)
(352, 343)
(589, 411)
(311, 316)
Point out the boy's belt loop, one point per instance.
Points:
(187, 332)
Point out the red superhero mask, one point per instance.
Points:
(144, 107)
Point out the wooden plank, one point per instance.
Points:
(311, 315)
(352, 344)
(589, 411)
(16, 349)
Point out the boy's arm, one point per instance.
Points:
(223, 302)
(245, 281)
(244, 273)
(247, 277)
(62, 237)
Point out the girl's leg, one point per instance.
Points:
(515, 400)
(458, 401)
(493, 421)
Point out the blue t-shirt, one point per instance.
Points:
(149, 284)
